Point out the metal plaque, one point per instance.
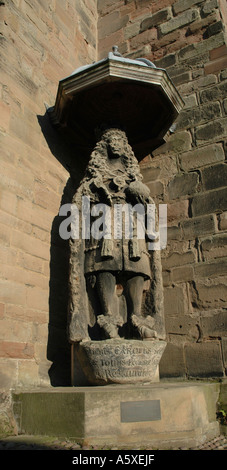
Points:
(135, 411)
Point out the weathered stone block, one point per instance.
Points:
(157, 18)
(190, 101)
(16, 350)
(212, 296)
(202, 156)
(215, 325)
(214, 93)
(179, 21)
(176, 143)
(166, 61)
(178, 259)
(172, 363)
(183, 274)
(156, 188)
(182, 185)
(225, 105)
(192, 117)
(111, 23)
(210, 131)
(177, 210)
(209, 202)
(119, 361)
(203, 47)
(143, 39)
(213, 29)
(208, 7)
(196, 227)
(131, 30)
(174, 233)
(214, 176)
(214, 247)
(150, 174)
(175, 300)
(224, 351)
(183, 5)
(223, 221)
(212, 269)
(210, 359)
(185, 326)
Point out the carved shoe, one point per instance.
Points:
(144, 326)
(108, 325)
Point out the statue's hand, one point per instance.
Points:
(98, 186)
(137, 192)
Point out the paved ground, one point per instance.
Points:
(47, 443)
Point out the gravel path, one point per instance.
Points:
(23, 442)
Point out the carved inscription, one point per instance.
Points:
(122, 361)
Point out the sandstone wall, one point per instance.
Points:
(189, 172)
(41, 43)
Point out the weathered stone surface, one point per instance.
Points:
(183, 274)
(214, 176)
(183, 5)
(213, 29)
(175, 300)
(214, 247)
(214, 93)
(202, 156)
(208, 7)
(150, 174)
(178, 259)
(157, 18)
(172, 363)
(215, 325)
(193, 50)
(182, 185)
(120, 361)
(176, 143)
(198, 226)
(75, 413)
(223, 221)
(209, 202)
(179, 21)
(192, 117)
(177, 210)
(211, 269)
(111, 23)
(210, 359)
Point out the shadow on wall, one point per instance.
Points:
(58, 347)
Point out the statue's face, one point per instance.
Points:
(115, 146)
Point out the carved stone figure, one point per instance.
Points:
(115, 284)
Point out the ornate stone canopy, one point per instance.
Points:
(133, 94)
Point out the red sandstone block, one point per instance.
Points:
(4, 116)
(2, 310)
(218, 52)
(177, 210)
(216, 65)
(146, 37)
(105, 44)
(45, 198)
(12, 292)
(16, 350)
(38, 298)
(30, 245)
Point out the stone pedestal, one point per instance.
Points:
(161, 415)
(116, 361)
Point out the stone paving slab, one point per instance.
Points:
(25, 442)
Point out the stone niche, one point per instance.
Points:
(115, 112)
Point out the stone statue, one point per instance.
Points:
(101, 267)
